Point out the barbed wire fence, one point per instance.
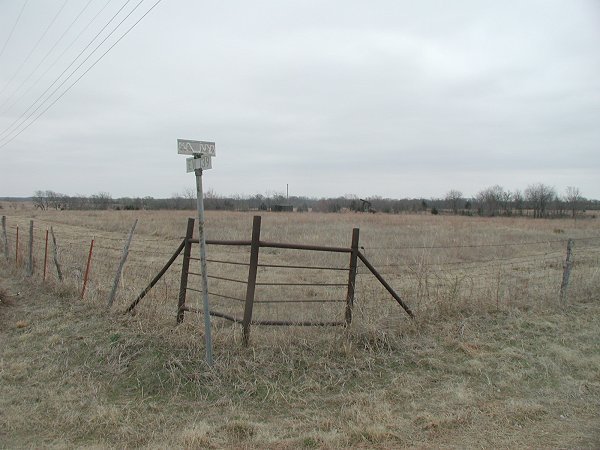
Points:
(293, 286)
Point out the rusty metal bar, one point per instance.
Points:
(366, 262)
(193, 289)
(268, 322)
(297, 324)
(352, 277)
(303, 284)
(266, 244)
(227, 297)
(316, 248)
(213, 313)
(300, 301)
(185, 268)
(227, 262)
(233, 280)
(283, 266)
(87, 269)
(217, 295)
(156, 278)
(251, 285)
(219, 242)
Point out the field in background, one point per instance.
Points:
(439, 264)
(492, 358)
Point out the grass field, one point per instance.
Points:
(492, 359)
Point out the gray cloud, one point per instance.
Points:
(394, 98)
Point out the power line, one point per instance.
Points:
(35, 46)
(8, 130)
(88, 69)
(13, 28)
(35, 83)
(43, 59)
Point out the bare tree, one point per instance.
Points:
(539, 197)
(454, 198)
(190, 195)
(55, 200)
(490, 200)
(101, 200)
(40, 200)
(518, 201)
(574, 199)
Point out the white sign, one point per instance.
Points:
(187, 147)
(204, 162)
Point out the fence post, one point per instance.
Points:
(251, 287)
(17, 248)
(45, 255)
(4, 236)
(55, 255)
(352, 276)
(566, 272)
(113, 292)
(30, 259)
(187, 251)
(87, 269)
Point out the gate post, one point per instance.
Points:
(187, 250)
(352, 276)
(251, 287)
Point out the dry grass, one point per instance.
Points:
(491, 361)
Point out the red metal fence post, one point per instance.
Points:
(251, 287)
(87, 269)
(187, 251)
(352, 276)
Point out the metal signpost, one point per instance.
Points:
(202, 152)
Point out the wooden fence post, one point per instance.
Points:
(251, 287)
(113, 292)
(352, 276)
(566, 272)
(5, 237)
(17, 248)
(87, 269)
(30, 259)
(187, 251)
(45, 255)
(55, 255)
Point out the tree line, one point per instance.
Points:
(537, 200)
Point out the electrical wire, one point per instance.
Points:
(34, 47)
(13, 28)
(36, 82)
(7, 131)
(2, 111)
(88, 69)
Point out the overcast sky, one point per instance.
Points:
(391, 98)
